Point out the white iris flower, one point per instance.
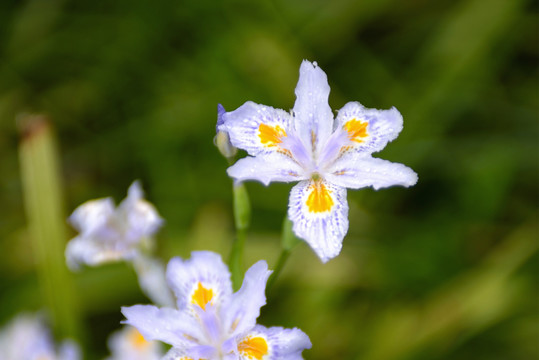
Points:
(210, 321)
(324, 154)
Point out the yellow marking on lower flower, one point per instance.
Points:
(319, 199)
(357, 130)
(271, 135)
(137, 340)
(253, 347)
(202, 296)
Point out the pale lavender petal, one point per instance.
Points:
(129, 344)
(93, 251)
(383, 126)
(319, 212)
(358, 172)
(211, 323)
(312, 114)
(203, 352)
(205, 269)
(282, 344)
(90, 217)
(220, 116)
(267, 168)
(70, 350)
(170, 326)
(141, 218)
(176, 354)
(249, 125)
(240, 313)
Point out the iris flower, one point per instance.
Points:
(210, 321)
(129, 344)
(109, 234)
(324, 154)
(26, 337)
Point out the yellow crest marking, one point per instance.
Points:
(319, 199)
(202, 296)
(271, 135)
(357, 130)
(253, 347)
(137, 340)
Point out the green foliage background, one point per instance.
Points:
(444, 270)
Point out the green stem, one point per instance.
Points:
(242, 217)
(283, 257)
(236, 258)
(288, 242)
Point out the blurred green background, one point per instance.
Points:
(444, 270)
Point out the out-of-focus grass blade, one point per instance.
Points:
(46, 221)
(471, 303)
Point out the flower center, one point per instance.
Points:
(253, 347)
(202, 296)
(319, 199)
(137, 340)
(271, 135)
(356, 130)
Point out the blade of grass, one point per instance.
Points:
(42, 196)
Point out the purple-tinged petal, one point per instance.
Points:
(222, 139)
(257, 128)
(319, 212)
(312, 114)
(275, 343)
(240, 313)
(368, 130)
(140, 217)
(267, 168)
(220, 116)
(358, 172)
(170, 326)
(176, 354)
(200, 280)
(70, 350)
(129, 344)
(90, 217)
(92, 252)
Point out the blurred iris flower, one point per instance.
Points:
(27, 338)
(210, 321)
(108, 234)
(324, 154)
(129, 344)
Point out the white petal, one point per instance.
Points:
(129, 344)
(358, 172)
(382, 126)
(241, 312)
(91, 216)
(70, 350)
(141, 217)
(170, 326)
(204, 270)
(175, 354)
(312, 114)
(266, 168)
(319, 211)
(91, 251)
(282, 344)
(251, 127)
